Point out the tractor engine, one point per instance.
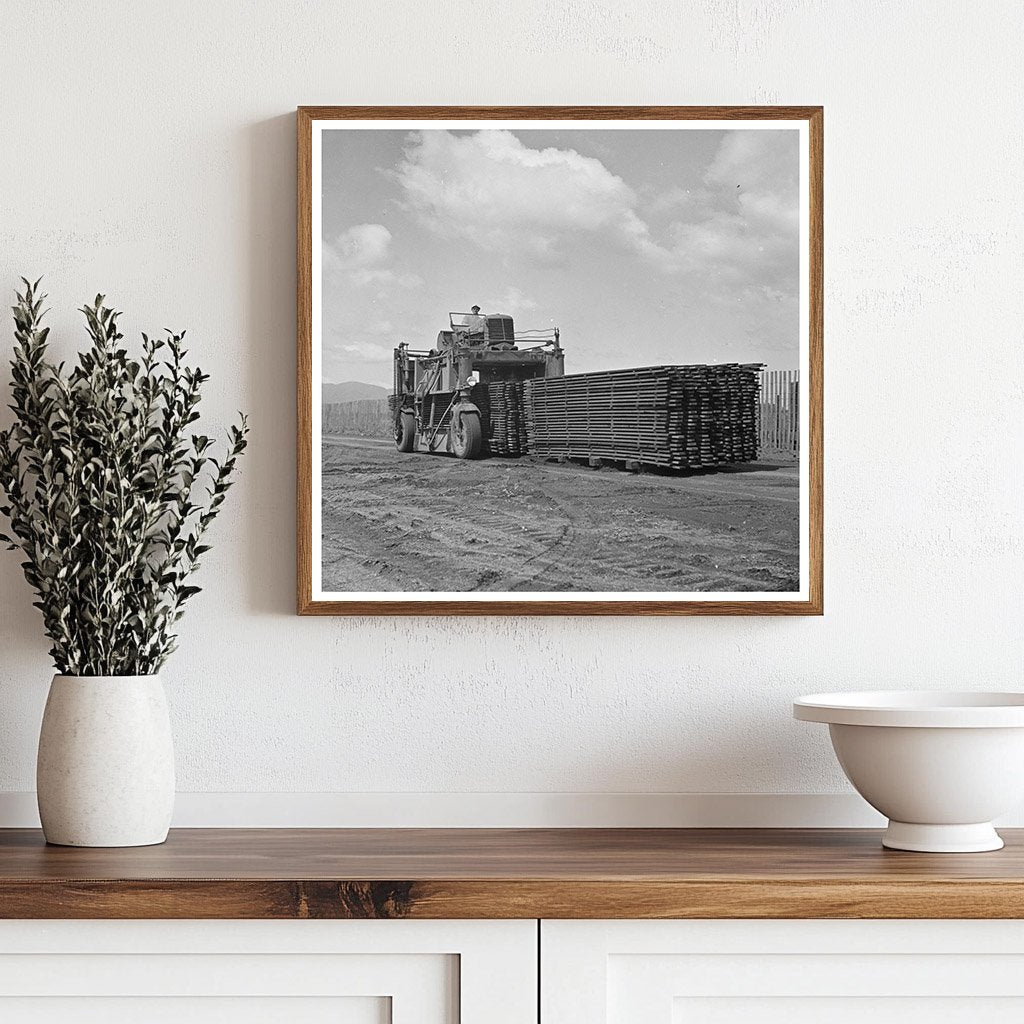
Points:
(499, 328)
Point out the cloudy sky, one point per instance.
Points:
(643, 246)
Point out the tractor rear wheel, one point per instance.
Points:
(467, 435)
(405, 431)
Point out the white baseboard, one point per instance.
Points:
(494, 810)
(503, 810)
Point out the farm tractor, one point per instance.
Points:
(433, 401)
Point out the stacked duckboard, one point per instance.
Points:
(501, 403)
(675, 417)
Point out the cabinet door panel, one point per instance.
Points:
(189, 1010)
(847, 1010)
(728, 972)
(300, 972)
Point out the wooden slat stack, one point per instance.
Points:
(501, 403)
(676, 417)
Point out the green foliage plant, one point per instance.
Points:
(108, 493)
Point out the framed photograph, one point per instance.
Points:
(560, 360)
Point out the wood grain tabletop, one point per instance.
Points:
(508, 873)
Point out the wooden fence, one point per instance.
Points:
(366, 418)
(780, 410)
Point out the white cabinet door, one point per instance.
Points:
(268, 972)
(782, 972)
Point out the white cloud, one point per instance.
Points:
(755, 160)
(492, 190)
(744, 220)
(499, 194)
(512, 301)
(369, 351)
(677, 200)
(362, 245)
(361, 254)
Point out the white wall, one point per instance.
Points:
(148, 152)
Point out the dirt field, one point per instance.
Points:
(418, 522)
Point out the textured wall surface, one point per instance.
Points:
(148, 152)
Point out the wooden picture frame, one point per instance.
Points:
(807, 600)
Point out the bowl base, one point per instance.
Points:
(979, 838)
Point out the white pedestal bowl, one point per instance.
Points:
(940, 766)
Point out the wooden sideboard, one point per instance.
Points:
(580, 926)
(508, 873)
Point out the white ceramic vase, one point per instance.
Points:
(105, 771)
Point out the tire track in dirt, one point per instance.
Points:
(394, 522)
(439, 528)
(557, 552)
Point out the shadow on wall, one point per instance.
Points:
(676, 747)
(737, 747)
(267, 202)
(21, 635)
(270, 330)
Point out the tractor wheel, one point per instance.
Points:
(467, 435)
(405, 431)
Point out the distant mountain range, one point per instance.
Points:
(351, 391)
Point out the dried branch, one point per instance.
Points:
(109, 495)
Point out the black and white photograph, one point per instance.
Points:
(559, 360)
